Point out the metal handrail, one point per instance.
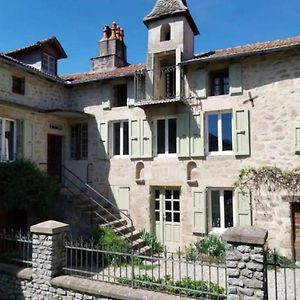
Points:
(120, 212)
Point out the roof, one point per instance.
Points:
(51, 41)
(95, 76)
(247, 50)
(167, 8)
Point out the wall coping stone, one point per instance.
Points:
(49, 227)
(249, 235)
(17, 271)
(114, 291)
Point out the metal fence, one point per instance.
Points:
(283, 277)
(16, 247)
(165, 272)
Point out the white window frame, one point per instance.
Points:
(49, 61)
(166, 118)
(222, 228)
(2, 139)
(121, 155)
(220, 137)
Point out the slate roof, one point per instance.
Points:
(166, 8)
(247, 50)
(95, 76)
(47, 41)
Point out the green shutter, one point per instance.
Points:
(130, 93)
(235, 79)
(197, 134)
(150, 76)
(200, 79)
(20, 139)
(28, 139)
(199, 211)
(183, 149)
(243, 208)
(146, 139)
(102, 144)
(135, 138)
(241, 132)
(297, 138)
(106, 96)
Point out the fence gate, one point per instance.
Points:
(283, 278)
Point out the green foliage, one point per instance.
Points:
(152, 241)
(274, 258)
(185, 287)
(24, 186)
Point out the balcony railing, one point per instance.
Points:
(158, 85)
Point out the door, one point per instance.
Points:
(296, 221)
(54, 155)
(168, 216)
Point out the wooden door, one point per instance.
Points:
(296, 221)
(54, 155)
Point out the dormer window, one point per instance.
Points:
(49, 64)
(165, 33)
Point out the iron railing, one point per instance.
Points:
(165, 272)
(16, 247)
(105, 210)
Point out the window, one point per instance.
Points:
(165, 34)
(48, 64)
(221, 209)
(166, 136)
(220, 83)
(120, 95)
(18, 85)
(219, 131)
(7, 139)
(79, 141)
(120, 138)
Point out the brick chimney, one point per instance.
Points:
(112, 49)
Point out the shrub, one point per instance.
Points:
(24, 186)
(274, 258)
(211, 245)
(152, 241)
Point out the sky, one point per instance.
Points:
(78, 25)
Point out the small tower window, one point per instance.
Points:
(165, 33)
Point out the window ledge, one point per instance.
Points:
(121, 157)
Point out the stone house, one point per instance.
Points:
(164, 140)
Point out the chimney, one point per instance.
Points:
(112, 49)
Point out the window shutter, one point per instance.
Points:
(197, 135)
(199, 211)
(135, 138)
(150, 76)
(235, 79)
(200, 78)
(146, 139)
(243, 208)
(297, 138)
(183, 149)
(130, 93)
(28, 139)
(106, 96)
(20, 138)
(102, 142)
(241, 132)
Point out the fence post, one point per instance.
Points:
(245, 263)
(48, 252)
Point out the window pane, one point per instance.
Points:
(228, 207)
(116, 135)
(157, 217)
(157, 204)
(168, 194)
(227, 132)
(176, 194)
(213, 133)
(169, 217)
(168, 205)
(161, 136)
(215, 209)
(176, 206)
(9, 140)
(226, 85)
(172, 135)
(156, 194)
(177, 217)
(125, 139)
(84, 141)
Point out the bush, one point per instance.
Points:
(152, 241)
(274, 258)
(211, 245)
(24, 186)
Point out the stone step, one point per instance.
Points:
(138, 244)
(124, 229)
(115, 224)
(133, 235)
(145, 251)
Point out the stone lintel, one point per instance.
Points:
(49, 228)
(249, 235)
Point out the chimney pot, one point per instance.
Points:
(113, 30)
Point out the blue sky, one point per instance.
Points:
(78, 24)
